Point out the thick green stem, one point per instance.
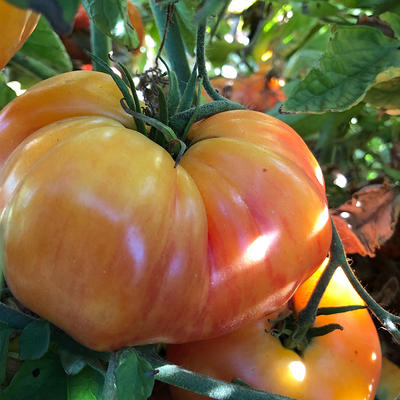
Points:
(34, 66)
(387, 319)
(109, 388)
(201, 63)
(100, 45)
(214, 388)
(306, 317)
(173, 46)
(179, 121)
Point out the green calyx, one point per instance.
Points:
(297, 336)
(170, 109)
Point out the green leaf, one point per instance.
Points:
(189, 93)
(338, 309)
(42, 379)
(323, 330)
(6, 95)
(354, 58)
(111, 17)
(320, 9)
(386, 93)
(185, 15)
(365, 3)
(34, 340)
(13, 318)
(393, 173)
(65, 342)
(60, 13)
(87, 385)
(134, 377)
(173, 93)
(300, 62)
(72, 363)
(45, 46)
(5, 333)
(218, 51)
(209, 7)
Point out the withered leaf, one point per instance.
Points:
(368, 219)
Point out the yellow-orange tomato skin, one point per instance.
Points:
(342, 365)
(92, 264)
(15, 27)
(67, 95)
(106, 239)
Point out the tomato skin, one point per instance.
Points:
(94, 245)
(341, 365)
(15, 27)
(66, 95)
(121, 248)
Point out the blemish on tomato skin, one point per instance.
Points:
(264, 170)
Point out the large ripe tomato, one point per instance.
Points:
(106, 239)
(342, 365)
(15, 27)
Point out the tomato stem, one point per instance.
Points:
(201, 63)
(180, 120)
(338, 258)
(307, 315)
(183, 378)
(137, 107)
(109, 388)
(301, 331)
(194, 115)
(387, 319)
(168, 134)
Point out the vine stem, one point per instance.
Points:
(180, 120)
(100, 45)
(214, 388)
(387, 319)
(306, 317)
(201, 63)
(109, 388)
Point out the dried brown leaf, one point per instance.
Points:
(368, 219)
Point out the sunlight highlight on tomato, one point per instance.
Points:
(259, 248)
